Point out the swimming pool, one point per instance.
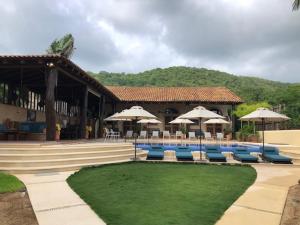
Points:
(194, 147)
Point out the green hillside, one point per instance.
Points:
(249, 88)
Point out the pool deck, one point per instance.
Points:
(264, 201)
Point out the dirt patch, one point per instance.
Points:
(16, 209)
(291, 213)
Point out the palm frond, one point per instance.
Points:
(296, 5)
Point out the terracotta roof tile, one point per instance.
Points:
(175, 94)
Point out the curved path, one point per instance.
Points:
(55, 203)
(263, 202)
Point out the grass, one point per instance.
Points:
(9, 183)
(161, 193)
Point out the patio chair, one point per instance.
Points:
(114, 134)
(243, 155)
(143, 134)
(179, 134)
(184, 153)
(156, 152)
(192, 135)
(207, 136)
(155, 134)
(213, 154)
(129, 134)
(220, 136)
(271, 154)
(166, 134)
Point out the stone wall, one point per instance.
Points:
(291, 137)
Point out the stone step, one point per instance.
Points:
(63, 149)
(63, 155)
(53, 169)
(60, 162)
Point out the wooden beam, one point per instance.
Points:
(51, 79)
(83, 112)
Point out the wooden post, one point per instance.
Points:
(102, 114)
(51, 81)
(83, 112)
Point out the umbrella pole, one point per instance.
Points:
(135, 136)
(200, 138)
(263, 135)
(148, 132)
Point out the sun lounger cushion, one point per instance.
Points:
(184, 153)
(156, 152)
(271, 154)
(244, 156)
(213, 154)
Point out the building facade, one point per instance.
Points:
(39, 92)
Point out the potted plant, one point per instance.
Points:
(57, 133)
(88, 130)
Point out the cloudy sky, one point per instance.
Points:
(245, 37)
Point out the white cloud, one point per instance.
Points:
(250, 37)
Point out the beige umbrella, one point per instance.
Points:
(200, 113)
(216, 121)
(149, 121)
(113, 118)
(181, 121)
(153, 121)
(135, 113)
(264, 115)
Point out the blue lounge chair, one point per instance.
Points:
(243, 155)
(271, 154)
(213, 154)
(184, 153)
(156, 152)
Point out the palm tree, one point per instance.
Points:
(63, 46)
(296, 5)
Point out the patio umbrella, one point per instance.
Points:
(216, 121)
(113, 118)
(200, 113)
(264, 115)
(135, 113)
(148, 121)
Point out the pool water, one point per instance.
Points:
(194, 147)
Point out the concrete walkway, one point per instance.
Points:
(55, 203)
(264, 201)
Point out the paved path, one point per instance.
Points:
(55, 203)
(263, 202)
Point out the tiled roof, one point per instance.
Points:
(175, 94)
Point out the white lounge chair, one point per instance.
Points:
(192, 135)
(178, 134)
(129, 134)
(220, 137)
(155, 134)
(166, 134)
(207, 136)
(143, 134)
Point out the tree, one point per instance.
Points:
(296, 5)
(247, 108)
(63, 46)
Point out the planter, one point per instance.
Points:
(253, 138)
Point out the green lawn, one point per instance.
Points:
(9, 183)
(161, 193)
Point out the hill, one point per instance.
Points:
(249, 88)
